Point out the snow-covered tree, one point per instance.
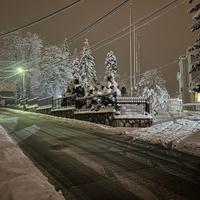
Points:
(151, 86)
(87, 66)
(25, 51)
(112, 73)
(35, 47)
(56, 71)
(195, 49)
(111, 64)
(66, 46)
(76, 68)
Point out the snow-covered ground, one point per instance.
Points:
(172, 131)
(167, 132)
(19, 178)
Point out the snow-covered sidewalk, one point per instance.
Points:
(19, 178)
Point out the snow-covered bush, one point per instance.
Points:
(151, 86)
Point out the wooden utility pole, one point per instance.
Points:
(130, 48)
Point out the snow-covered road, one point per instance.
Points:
(87, 163)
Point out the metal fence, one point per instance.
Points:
(45, 101)
(191, 106)
(33, 101)
(95, 102)
(132, 105)
(63, 102)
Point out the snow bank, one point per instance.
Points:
(170, 132)
(19, 178)
(74, 123)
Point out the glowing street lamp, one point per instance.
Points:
(22, 72)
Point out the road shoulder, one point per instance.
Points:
(19, 178)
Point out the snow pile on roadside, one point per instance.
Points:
(165, 133)
(74, 123)
(167, 116)
(19, 178)
(194, 116)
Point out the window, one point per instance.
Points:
(197, 97)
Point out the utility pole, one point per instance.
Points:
(133, 60)
(138, 54)
(134, 49)
(23, 88)
(130, 47)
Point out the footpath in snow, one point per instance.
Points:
(19, 178)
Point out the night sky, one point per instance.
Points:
(162, 41)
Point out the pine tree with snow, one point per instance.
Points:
(66, 46)
(112, 74)
(111, 64)
(76, 69)
(87, 66)
(195, 49)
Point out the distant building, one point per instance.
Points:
(188, 79)
(7, 98)
(7, 94)
(189, 64)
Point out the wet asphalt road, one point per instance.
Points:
(93, 165)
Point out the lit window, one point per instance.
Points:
(197, 97)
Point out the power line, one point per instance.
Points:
(8, 77)
(137, 23)
(41, 19)
(96, 23)
(169, 64)
(140, 20)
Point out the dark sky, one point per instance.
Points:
(162, 41)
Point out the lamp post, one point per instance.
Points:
(22, 72)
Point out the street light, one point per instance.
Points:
(22, 72)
